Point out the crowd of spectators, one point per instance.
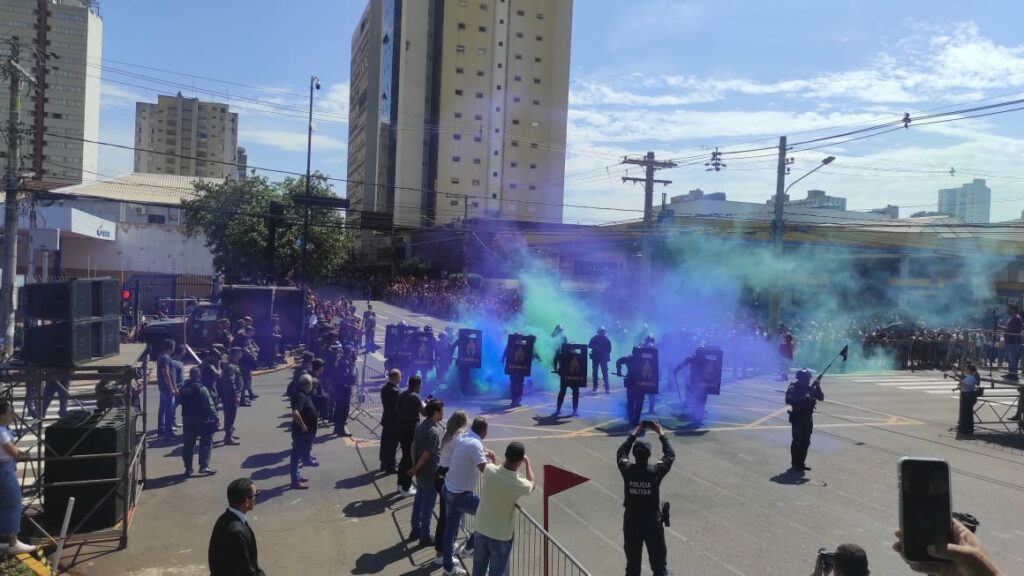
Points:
(448, 297)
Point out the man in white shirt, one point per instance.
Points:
(468, 461)
(502, 488)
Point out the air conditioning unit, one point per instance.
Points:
(139, 209)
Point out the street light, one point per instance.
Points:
(824, 162)
(314, 84)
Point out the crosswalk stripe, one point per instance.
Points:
(946, 387)
(913, 383)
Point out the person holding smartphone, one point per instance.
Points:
(642, 518)
(964, 556)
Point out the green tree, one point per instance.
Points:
(235, 218)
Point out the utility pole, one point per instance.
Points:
(650, 166)
(14, 73)
(39, 127)
(777, 232)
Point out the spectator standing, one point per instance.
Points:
(166, 382)
(389, 421)
(467, 463)
(427, 455)
(10, 489)
(453, 430)
(409, 407)
(848, 560)
(304, 420)
(502, 487)
(232, 550)
(199, 416)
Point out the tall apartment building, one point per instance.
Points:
(186, 137)
(472, 99)
(62, 46)
(971, 202)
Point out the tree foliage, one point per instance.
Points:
(235, 218)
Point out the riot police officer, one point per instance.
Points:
(802, 396)
(696, 391)
(517, 378)
(643, 516)
(634, 397)
(600, 353)
(567, 363)
(444, 352)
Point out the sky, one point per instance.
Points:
(678, 78)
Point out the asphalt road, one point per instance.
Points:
(733, 509)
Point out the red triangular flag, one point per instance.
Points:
(559, 480)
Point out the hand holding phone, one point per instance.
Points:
(926, 517)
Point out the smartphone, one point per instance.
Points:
(648, 424)
(925, 507)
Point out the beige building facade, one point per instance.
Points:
(186, 137)
(65, 53)
(471, 111)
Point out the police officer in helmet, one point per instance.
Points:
(643, 516)
(802, 396)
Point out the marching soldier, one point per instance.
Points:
(803, 397)
(600, 353)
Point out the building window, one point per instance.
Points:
(517, 78)
(455, 202)
(462, 25)
(536, 59)
(482, 28)
(532, 187)
(515, 99)
(478, 117)
(536, 102)
(481, 51)
(479, 94)
(533, 144)
(513, 186)
(476, 139)
(458, 91)
(495, 152)
(480, 73)
(476, 160)
(497, 108)
(519, 34)
(483, 6)
(520, 12)
(458, 115)
(515, 143)
(456, 158)
(156, 219)
(457, 136)
(540, 38)
(536, 80)
(458, 70)
(494, 196)
(497, 130)
(514, 164)
(460, 48)
(476, 181)
(540, 16)
(499, 87)
(533, 165)
(519, 56)
(501, 43)
(515, 122)
(455, 179)
(494, 174)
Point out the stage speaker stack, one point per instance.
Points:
(82, 433)
(68, 323)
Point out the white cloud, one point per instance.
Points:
(290, 141)
(117, 96)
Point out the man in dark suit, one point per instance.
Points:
(233, 545)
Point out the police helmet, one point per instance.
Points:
(601, 330)
(803, 376)
(428, 328)
(649, 339)
(641, 450)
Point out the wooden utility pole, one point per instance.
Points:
(14, 74)
(777, 233)
(650, 166)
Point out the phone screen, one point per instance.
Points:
(925, 510)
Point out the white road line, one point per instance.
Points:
(913, 383)
(923, 388)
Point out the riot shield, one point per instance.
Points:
(645, 363)
(519, 354)
(572, 365)
(470, 347)
(423, 346)
(708, 369)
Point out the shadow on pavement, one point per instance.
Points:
(377, 562)
(363, 479)
(268, 473)
(999, 438)
(164, 481)
(271, 493)
(790, 478)
(265, 459)
(367, 508)
(551, 420)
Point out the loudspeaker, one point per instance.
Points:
(60, 344)
(72, 300)
(106, 337)
(98, 433)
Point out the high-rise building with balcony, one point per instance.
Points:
(61, 47)
(186, 137)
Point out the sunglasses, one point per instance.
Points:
(255, 495)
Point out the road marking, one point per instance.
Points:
(764, 419)
(944, 387)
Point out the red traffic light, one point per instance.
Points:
(126, 295)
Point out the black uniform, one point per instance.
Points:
(600, 353)
(641, 522)
(444, 351)
(803, 397)
(696, 390)
(517, 379)
(561, 359)
(343, 378)
(634, 398)
(229, 388)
